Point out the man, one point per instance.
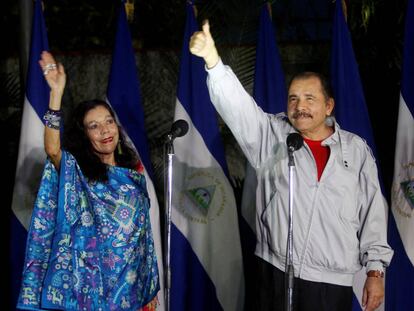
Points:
(339, 216)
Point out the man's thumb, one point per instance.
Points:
(206, 28)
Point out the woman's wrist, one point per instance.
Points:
(55, 102)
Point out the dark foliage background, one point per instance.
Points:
(86, 26)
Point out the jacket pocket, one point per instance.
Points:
(274, 225)
(334, 244)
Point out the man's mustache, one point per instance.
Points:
(301, 114)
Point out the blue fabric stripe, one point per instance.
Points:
(350, 109)
(399, 287)
(407, 88)
(194, 291)
(269, 80)
(123, 90)
(193, 94)
(18, 237)
(355, 304)
(37, 90)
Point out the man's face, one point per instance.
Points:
(308, 107)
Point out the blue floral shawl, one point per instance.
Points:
(90, 244)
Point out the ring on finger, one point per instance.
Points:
(50, 66)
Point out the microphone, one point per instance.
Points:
(179, 128)
(294, 142)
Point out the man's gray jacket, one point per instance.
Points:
(339, 222)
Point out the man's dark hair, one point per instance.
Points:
(326, 86)
(78, 144)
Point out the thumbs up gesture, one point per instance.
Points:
(202, 45)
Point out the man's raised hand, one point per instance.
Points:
(202, 45)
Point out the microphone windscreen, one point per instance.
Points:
(294, 141)
(179, 128)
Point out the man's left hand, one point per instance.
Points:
(373, 293)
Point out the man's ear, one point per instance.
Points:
(330, 104)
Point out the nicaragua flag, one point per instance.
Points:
(400, 275)
(269, 92)
(206, 261)
(350, 109)
(31, 156)
(124, 97)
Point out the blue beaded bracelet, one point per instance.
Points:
(52, 118)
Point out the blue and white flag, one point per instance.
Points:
(31, 157)
(350, 108)
(270, 94)
(206, 261)
(124, 97)
(400, 275)
(269, 89)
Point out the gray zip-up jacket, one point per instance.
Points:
(339, 222)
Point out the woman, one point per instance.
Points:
(90, 244)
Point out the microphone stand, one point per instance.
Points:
(289, 271)
(178, 129)
(169, 152)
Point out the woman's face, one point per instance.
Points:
(102, 131)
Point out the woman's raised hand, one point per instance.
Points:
(54, 73)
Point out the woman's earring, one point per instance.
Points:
(119, 148)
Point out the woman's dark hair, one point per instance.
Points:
(78, 144)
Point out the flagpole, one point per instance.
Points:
(26, 14)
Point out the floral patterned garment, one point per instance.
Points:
(90, 244)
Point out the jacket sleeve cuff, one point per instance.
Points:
(375, 265)
(216, 72)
